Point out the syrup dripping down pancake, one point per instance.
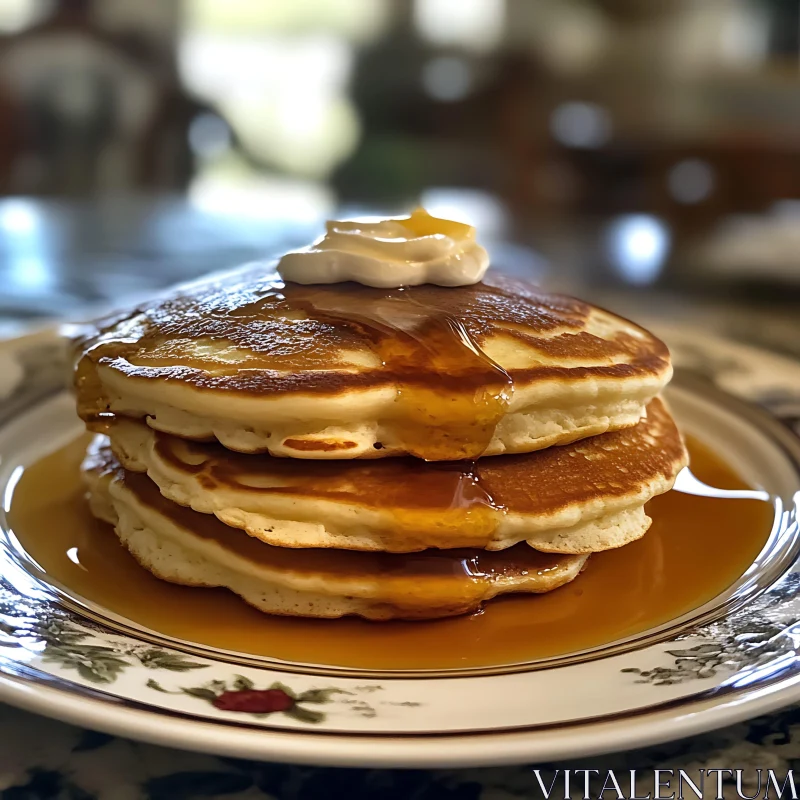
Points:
(346, 371)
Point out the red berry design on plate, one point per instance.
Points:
(254, 701)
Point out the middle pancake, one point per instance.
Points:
(578, 498)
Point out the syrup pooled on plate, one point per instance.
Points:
(697, 547)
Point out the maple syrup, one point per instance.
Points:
(697, 547)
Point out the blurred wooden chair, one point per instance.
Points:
(695, 184)
(90, 106)
(10, 139)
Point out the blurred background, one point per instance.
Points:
(642, 153)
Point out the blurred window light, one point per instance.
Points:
(24, 243)
(305, 134)
(209, 135)
(481, 209)
(472, 24)
(217, 67)
(285, 99)
(18, 218)
(30, 272)
(581, 125)
(447, 78)
(356, 20)
(691, 181)
(258, 197)
(745, 37)
(638, 245)
(569, 37)
(721, 34)
(17, 15)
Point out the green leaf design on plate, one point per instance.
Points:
(68, 643)
(697, 651)
(319, 695)
(304, 714)
(200, 692)
(284, 688)
(155, 658)
(241, 682)
(93, 663)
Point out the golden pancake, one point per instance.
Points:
(579, 498)
(346, 371)
(183, 546)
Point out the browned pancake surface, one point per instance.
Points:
(293, 337)
(539, 483)
(457, 564)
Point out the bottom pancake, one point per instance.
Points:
(183, 546)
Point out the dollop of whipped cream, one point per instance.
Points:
(390, 253)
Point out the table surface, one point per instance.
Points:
(75, 259)
(48, 760)
(60, 260)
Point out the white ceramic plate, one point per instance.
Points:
(733, 658)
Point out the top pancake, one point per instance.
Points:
(346, 371)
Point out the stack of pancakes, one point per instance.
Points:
(332, 450)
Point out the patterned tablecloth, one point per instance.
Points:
(41, 759)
